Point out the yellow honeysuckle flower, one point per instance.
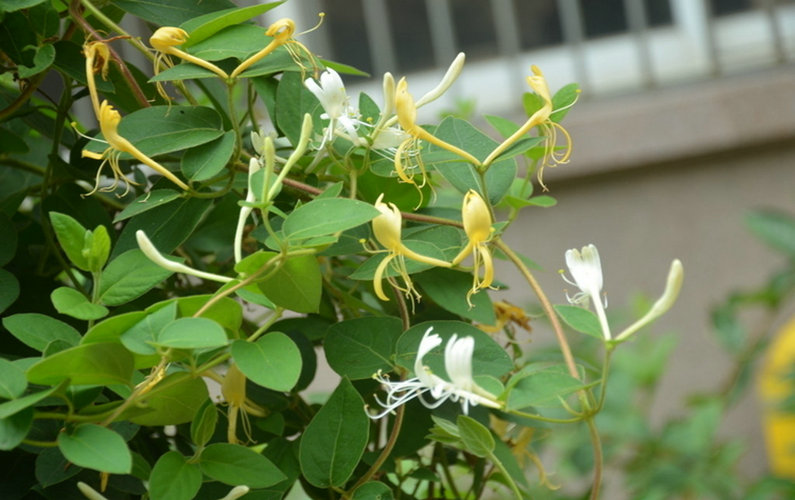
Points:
(775, 386)
(97, 59)
(407, 118)
(165, 41)
(387, 229)
(233, 389)
(282, 32)
(549, 129)
(109, 120)
(477, 226)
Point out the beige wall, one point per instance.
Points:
(671, 174)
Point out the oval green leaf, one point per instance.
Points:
(37, 330)
(206, 161)
(102, 363)
(192, 333)
(360, 347)
(237, 465)
(73, 303)
(95, 447)
(327, 216)
(174, 478)
(273, 361)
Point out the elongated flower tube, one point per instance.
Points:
(549, 129)
(165, 41)
(387, 229)
(672, 287)
(586, 270)
(253, 167)
(148, 248)
(336, 104)
(282, 32)
(97, 60)
(461, 386)
(233, 389)
(236, 492)
(109, 120)
(477, 226)
(407, 118)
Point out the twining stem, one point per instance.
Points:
(545, 304)
(384, 452)
(597, 457)
(506, 476)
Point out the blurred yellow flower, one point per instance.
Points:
(477, 226)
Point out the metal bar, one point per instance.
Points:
(574, 35)
(376, 24)
(440, 21)
(638, 25)
(775, 30)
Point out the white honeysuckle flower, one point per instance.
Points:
(672, 287)
(338, 111)
(461, 387)
(586, 270)
(236, 492)
(148, 248)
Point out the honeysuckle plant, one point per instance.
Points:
(163, 336)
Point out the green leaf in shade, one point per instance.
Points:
(52, 467)
(43, 59)
(203, 27)
(192, 333)
(580, 319)
(202, 427)
(12, 380)
(167, 225)
(238, 41)
(489, 358)
(297, 285)
(334, 440)
(71, 236)
(14, 406)
(8, 245)
(449, 289)
(97, 248)
(540, 385)
(173, 12)
(237, 465)
(95, 447)
(147, 201)
(273, 361)
(358, 348)
(183, 71)
(292, 101)
(73, 303)
(476, 437)
(327, 216)
(777, 229)
(13, 5)
(177, 403)
(373, 490)
(206, 161)
(158, 130)
(103, 363)
(14, 428)
(37, 330)
(9, 289)
(129, 276)
(173, 478)
(140, 337)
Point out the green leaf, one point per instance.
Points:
(366, 271)
(489, 358)
(15, 406)
(292, 101)
(202, 27)
(540, 385)
(476, 437)
(296, 285)
(102, 363)
(96, 248)
(37, 330)
(174, 478)
(192, 333)
(73, 303)
(334, 440)
(237, 465)
(43, 59)
(449, 289)
(12, 380)
(9, 289)
(543, 200)
(13, 5)
(8, 245)
(206, 161)
(140, 336)
(71, 235)
(581, 320)
(173, 12)
(167, 226)
(14, 428)
(176, 403)
(273, 361)
(129, 276)
(147, 201)
(110, 330)
(52, 467)
(238, 41)
(358, 348)
(202, 427)
(774, 228)
(226, 312)
(95, 447)
(373, 490)
(327, 216)
(564, 98)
